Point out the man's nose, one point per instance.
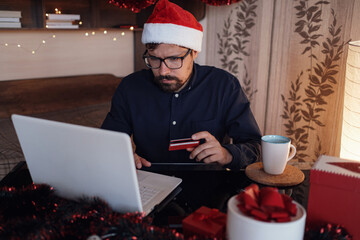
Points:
(163, 70)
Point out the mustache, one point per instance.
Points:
(166, 77)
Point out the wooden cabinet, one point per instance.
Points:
(94, 13)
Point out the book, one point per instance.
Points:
(9, 19)
(72, 17)
(10, 14)
(60, 23)
(10, 25)
(62, 27)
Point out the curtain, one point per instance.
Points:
(289, 57)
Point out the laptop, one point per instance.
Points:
(79, 161)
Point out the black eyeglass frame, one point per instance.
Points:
(164, 60)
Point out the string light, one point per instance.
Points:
(32, 51)
(52, 36)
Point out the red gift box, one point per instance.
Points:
(205, 223)
(334, 195)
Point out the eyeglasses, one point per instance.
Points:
(170, 62)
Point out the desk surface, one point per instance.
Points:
(198, 166)
(210, 188)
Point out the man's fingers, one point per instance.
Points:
(139, 161)
(145, 162)
(205, 154)
(210, 151)
(210, 159)
(201, 148)
(202, 135)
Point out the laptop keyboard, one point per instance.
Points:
(147, 193)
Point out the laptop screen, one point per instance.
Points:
(82, 161)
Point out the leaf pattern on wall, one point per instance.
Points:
(234, 40)
(303, 111)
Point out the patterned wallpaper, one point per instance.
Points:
(289, 57)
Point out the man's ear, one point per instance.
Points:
(194, 54)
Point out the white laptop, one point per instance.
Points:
(81, 161)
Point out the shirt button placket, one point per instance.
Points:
(173, 131)
(176, 95)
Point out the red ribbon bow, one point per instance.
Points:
(266, 204)
(213, 216)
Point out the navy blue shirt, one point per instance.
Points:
(212, 101)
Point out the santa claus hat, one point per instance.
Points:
(171, 24)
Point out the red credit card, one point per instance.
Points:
(184, 143)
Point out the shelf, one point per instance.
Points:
(94, 13)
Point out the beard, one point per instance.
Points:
(168, 87)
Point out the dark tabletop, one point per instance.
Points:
(208, 186)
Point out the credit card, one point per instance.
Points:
(179, 144)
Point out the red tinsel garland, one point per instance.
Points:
(220, 2)
(35, 212)
(327, 232)
(137, 5)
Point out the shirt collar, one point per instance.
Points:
(192, 81)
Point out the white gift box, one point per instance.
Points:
(243, 227)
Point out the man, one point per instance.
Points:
(177, 99)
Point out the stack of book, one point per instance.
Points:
(62, 21)
(10, 19)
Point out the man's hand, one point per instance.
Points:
(211, 151)
(139, 161)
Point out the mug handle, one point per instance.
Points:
(293, 152)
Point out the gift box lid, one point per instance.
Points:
(205, 221)
(336, 172)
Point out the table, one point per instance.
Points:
(211, 188)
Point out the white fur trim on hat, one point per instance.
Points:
(172, 34)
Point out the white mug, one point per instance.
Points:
(275, 153)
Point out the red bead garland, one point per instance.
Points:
(36, 212)
(134, 5)
(220, 2)
(137, 5)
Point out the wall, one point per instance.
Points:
(290, 59)
(70, 52)
(201, 58)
